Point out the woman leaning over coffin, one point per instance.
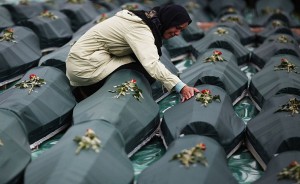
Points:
(131, 40)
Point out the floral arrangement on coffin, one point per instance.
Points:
(284, 39)
(131, 6)
(269, 10)
(216, 56)
(89, 140)
(231, 10)
(48, 14)
(221, 31)
(76, 1)
(8, 35)
(286, 65)
(102, 17)
(234, 19)
(191, 5)
(34, 81)
(127, 88)
(291, 172)
(205, 97)
(277, 23)
(192, 156)
(293, 106)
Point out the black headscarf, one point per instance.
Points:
(171, 15)
(161, 18)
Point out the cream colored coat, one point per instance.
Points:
(107, 46)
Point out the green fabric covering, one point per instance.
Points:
(243, 166)
(60, 164)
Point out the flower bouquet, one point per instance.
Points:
(89, 140)
(291, 172)
(34, 81)
(286, 65)
(192, 156)
(216, 56)
(205, 97)
(128, 88)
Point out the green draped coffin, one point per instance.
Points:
(61, 164)
(20, 54)
(24, 10)
(275, 129)
(274, 79)
(277, 165)
(79, 13)
(240, 26)
(216, 120)
(15, 153)
(46, 108)
(53, 31)
(166, 170)
(276, 27)
(225, 74)
(274, 45)
(5, 18)
(222, 37)
(136, 120)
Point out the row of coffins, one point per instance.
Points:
(36, 108)
(201, 133)
(280, 75)
(275, 129)
(230, 140)
(118, 119)
(53, 30)
(20, 51)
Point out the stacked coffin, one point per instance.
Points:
(119, 125)
(65, 163)
(36, 109)
(276, 27)
(198, 10)
(52, 27)
(222, 37)
(223, 72)
(274, 45)
(216, 120)
(240, 26)
(5, 18)
(126, 113)
(24, 10)
(30, 99)
(15, 153)
(282, 169)
(275, 129)
(275, 89)
(168, 170)
(79, 12)
(19, 51)
(218, 7)
(268, 10)
(280, 75)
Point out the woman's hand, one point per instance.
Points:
(188, 92)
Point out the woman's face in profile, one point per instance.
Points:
(174, 31)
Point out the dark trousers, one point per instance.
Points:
(83, 92)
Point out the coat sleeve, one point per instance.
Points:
(141, 41)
